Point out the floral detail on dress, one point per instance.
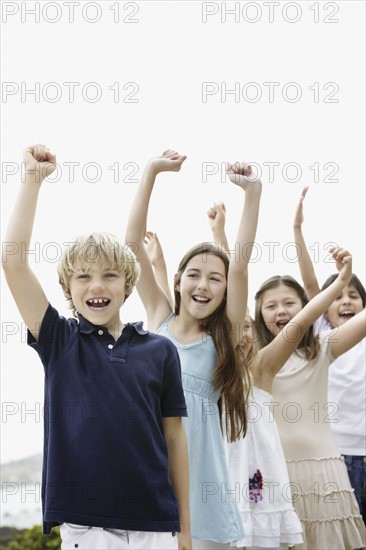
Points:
(256, 487)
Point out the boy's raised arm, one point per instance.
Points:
(155, 302)
(24, 285)
(305, 264)
(237, 295)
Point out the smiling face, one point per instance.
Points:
(202, 286)
(279, 306)
(92, 253)
(98, 293)
(345, 306)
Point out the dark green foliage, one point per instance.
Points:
(29, 539)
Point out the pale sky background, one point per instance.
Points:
(156, 56)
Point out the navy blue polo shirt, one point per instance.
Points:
(105, 460)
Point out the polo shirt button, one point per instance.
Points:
(100, 332)
(110, 346)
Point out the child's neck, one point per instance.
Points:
(186, 330)
(116, 329)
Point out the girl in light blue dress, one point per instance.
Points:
(207, 323)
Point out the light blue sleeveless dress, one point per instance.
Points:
(214, 512)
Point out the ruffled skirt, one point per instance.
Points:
(325, 503)
(270, 529)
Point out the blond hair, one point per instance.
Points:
(97, 249)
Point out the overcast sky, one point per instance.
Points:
(107, 85)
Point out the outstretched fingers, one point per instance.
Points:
(299, 212)
(303, 194)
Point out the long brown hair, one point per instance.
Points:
(309, 344)
(228, 374)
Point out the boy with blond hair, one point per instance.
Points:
(115, 467)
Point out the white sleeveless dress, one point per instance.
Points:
(266, 491)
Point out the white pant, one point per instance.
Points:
(82, 537)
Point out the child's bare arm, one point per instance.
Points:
(272, 357)
(237, 293)
(216, 217)
(155, 302)
(156, 255)
(179, 475)
(24, 285)
(349, 334)
(305, 264)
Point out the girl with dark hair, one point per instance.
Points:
(272, 518)
(206, 325)
(347, 377)
(321, 492)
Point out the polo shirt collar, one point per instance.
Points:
(88, 328)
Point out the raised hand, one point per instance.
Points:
(153, 248)
(169, 161)
(39, 160)
(343, 260)
(242, 175)
(299, 213)
(216, 216)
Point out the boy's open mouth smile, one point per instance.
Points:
(98, 303)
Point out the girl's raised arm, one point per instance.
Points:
(349, 334)
(237, 293)
(305, 264)
(272, 357)
(156, 255)
(216, 216)
(155, 301)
